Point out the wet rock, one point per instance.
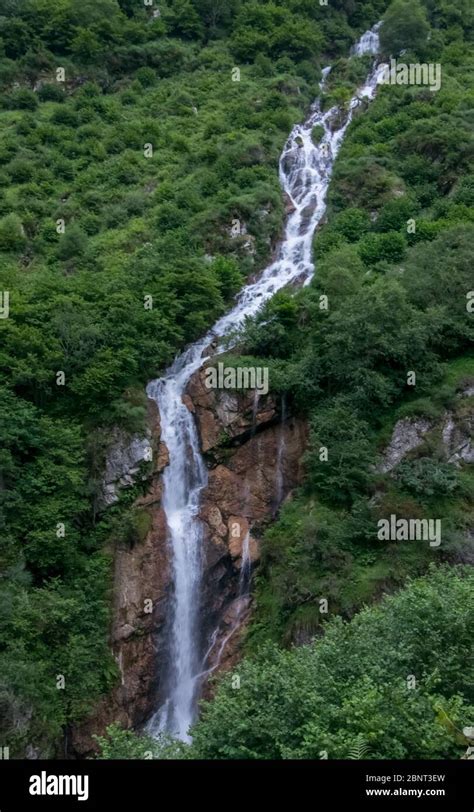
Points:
(226, 415)
(243, 491)
(142, 582)
(289, 205)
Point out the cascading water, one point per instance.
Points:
(304, 171)
(369, 43)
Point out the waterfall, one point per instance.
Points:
(368, 43)
(304, 172)
(245, 565)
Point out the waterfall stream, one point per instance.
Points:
(304, 171)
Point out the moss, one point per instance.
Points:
(317, 133)
(143, 523)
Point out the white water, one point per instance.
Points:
(305, 171)
(245, 565)
(368, 44)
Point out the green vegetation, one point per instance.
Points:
(128, 154)
(395, 263)
(392, 683)
(138, 165)
(405, 27)
(396, 676)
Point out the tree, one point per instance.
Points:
(404, 26)
(340, 455)
(183, 20)
(73, 243)
(85, 45)
(12, 233)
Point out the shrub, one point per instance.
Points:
(51, 92)
(12, 235)
(376, 247)
(22, 99)
(73, 243)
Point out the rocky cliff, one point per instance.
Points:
(253, 453)
(254, 457)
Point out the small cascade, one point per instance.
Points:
(241, 604)
(254, 412)
(245, 566)
(368, 44)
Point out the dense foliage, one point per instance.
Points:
(138, 166)
(394, 682)
(138, 188)
(395, 263)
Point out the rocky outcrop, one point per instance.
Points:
(137, 639)
(449, 438)
(454, 429)
(407, 435)
(255, 461)
(124, 457)
(458, 439)
(141, 587)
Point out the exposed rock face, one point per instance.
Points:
(289, 205)
(456, 429)
(407, 435)
(223, 415)
(126, 453)
(254, 462)
(458, 440)
(137, 639)
(242, 438)
(452, 437)
(123, 459)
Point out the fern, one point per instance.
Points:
(359, 748)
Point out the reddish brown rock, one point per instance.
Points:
(141, 583)
(254, 463)
(222, 414)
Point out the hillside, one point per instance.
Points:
(139, 192)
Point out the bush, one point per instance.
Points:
(352, 223)
(426, 477)
(73, 243)
(65, 115)
(146, 76)
(12, 235)
(21, 170)
(22, 99)
(376, 247)
(50, 92)
(317, 133)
